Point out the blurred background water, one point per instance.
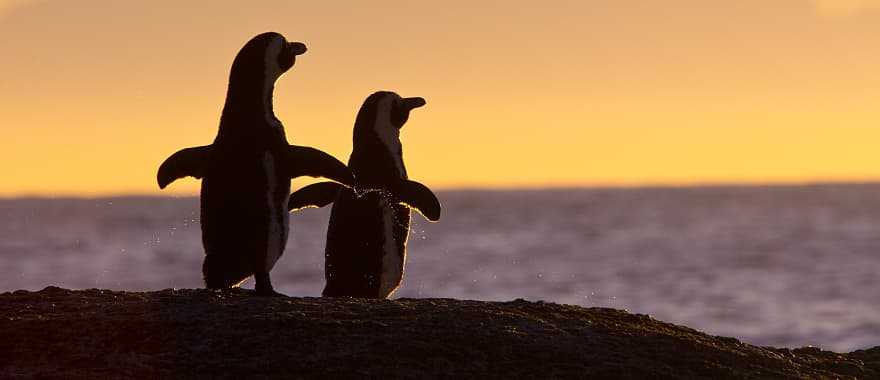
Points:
(783, 266)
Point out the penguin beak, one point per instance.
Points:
(412, 103)
(287, 58)
(297, 48)
(400, 111)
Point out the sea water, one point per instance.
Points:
(781, 266)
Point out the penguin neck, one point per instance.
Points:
(248, 113)
(374, 166)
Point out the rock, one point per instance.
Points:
(199, 333)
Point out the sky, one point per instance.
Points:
(95, 94)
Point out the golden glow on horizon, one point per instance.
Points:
(95, 94)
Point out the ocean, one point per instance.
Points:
(786, 266)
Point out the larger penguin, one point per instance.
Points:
(369, 226)
(246, 172)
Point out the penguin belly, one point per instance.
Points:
(366, 246)
(244, 218)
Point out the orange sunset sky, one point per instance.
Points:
(95, 94)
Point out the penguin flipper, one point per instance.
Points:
(189, 162)
(314, 195)
(418, 197)
(305, 161)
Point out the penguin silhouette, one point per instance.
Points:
(369, 225)
(246, 172)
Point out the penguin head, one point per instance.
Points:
(265, 57)
(386, 111)
(398, 108)
(379, 121)
(382, 115)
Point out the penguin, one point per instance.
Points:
(246, 171)
(369, 224)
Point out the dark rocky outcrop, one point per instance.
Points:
(200, 333)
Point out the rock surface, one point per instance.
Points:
(199, 333)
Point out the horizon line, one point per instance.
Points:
(500, 188)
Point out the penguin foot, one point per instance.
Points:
(264, 287)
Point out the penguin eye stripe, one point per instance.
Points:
(399, 115)
(285, 57)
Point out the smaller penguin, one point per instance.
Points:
(369, 225)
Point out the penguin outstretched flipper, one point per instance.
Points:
(418, 197)
(305, 161)
(314, 195)
(189, 162)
